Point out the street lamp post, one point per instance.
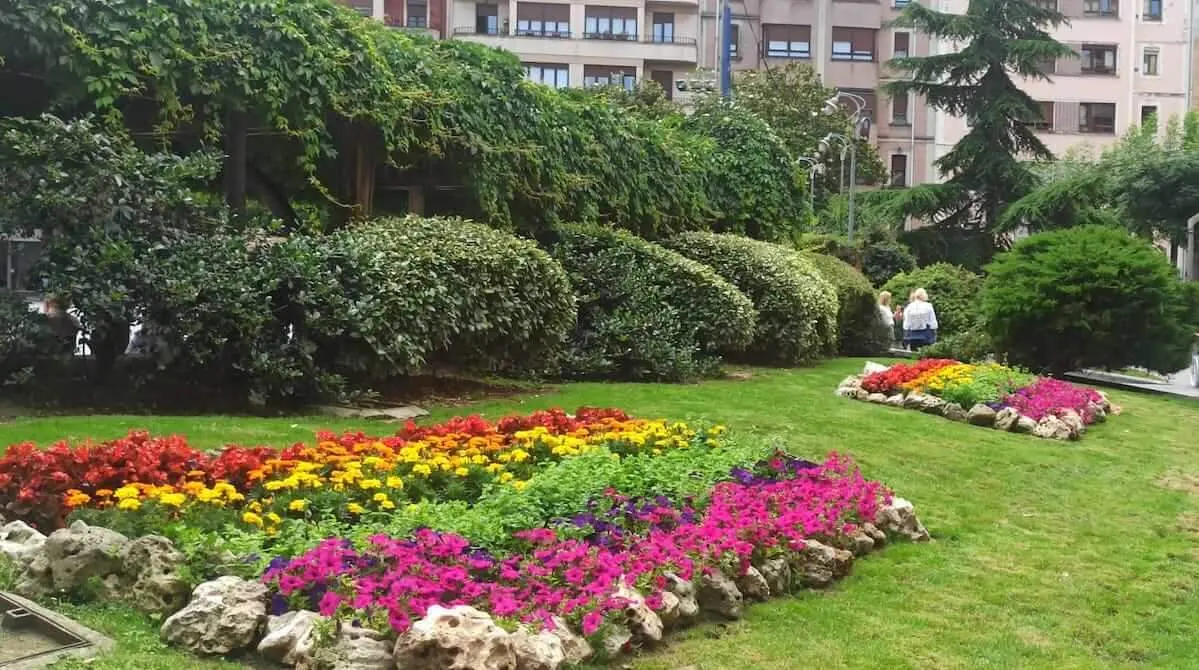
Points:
(859, 123)
(813, 165)
(851, 146)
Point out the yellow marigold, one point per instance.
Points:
(274, 518)
(172, 499)
(129, 504)
(387, 504)
(355, 508)
(422, 469)
(297, 505)
(251, 518)
(127, 493)
(495, 467)
(394, 482)
(104, 493)
(462, 472)
(76, 498)
(380, 497)
(506, 477)
(255, 506)
(367, 484)
(520, 484)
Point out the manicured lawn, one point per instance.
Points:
(1047, 555)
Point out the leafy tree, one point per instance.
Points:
(953, 291)
(1162, 192)
(792, 99)
(754, 186)
(986, 169)
(1090, 296)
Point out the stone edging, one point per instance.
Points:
(1068, 426)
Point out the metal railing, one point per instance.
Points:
(559, 35)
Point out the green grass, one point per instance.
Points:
(1046, 555)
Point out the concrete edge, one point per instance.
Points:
(97, 643)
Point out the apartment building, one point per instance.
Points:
(426, 15)
(1133, 66)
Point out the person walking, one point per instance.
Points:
(886, 315)
(919, 321)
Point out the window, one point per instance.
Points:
(788, 41)
(901, 3)
(665, 79)
(1044, 117)
(1048, 66)
(663, 28)
(899, 110)
(1150, 59)
(853, 44)
(1050, 5)
(17, 257)
(867, 95)
(603, 75)
(735, 48)
(1149, 116)
(1097, 117)
(487, 19)
(899, 170)
(902, 45)
(1152, 10)
(363, 7)
(534, 20)
(611, 23)
(418, 13)
(1100, 7)
(554, 76)
(1098, 58)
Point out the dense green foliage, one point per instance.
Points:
(987, 169)
(861, 331)
(645, 312)
(26, 340)
(414, 292)
(968, 346)
(882, 259)
(971, 249)
(952, 290)
(1089, 296)
(797, 308)
(755, 186)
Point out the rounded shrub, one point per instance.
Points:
(952, 290)
(882, 259)
(646, 312)
(416, 292)
(797, 308)
(861, 332)
(27, 340)
(1091, 296)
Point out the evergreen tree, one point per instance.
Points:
(987, 168)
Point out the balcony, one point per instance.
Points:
(560, 47)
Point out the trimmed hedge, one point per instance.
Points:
(861, 331)
(953, 291)
(1090, 296)
(797, 308)
(646, 312)
(414, 292)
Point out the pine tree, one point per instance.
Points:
(986, 169)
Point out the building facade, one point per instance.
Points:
(1136, 58)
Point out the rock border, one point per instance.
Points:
(1069, 426)
(229, 614)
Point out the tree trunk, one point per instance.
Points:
(235, 161)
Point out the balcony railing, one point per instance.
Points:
(559, 35)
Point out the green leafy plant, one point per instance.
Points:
(797, 308)
(415, 292)
(1089, 297)
(27, 342)
(969, 346)
(646, 312)
(952, 290)
(861, 329)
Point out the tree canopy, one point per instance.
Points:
(987, 169)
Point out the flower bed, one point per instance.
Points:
(985, 394)
(350, 473)
(581, 574)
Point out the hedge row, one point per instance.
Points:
(313, 315)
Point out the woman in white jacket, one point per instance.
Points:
(919, 321)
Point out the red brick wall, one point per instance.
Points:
(437, 17)
(393, 11)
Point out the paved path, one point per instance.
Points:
(1177, 384)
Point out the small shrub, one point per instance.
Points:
(969, 346)
(861, 330)
(417, 291)
(27, 341)
(646, 312)
(952, 290)
(797, 308)
(882, 259)
(1090, 296)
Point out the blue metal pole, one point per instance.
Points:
(726, 51)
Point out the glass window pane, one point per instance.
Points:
(590, 25)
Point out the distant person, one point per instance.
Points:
(885, 312)
(919, 321)
(63, 324)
